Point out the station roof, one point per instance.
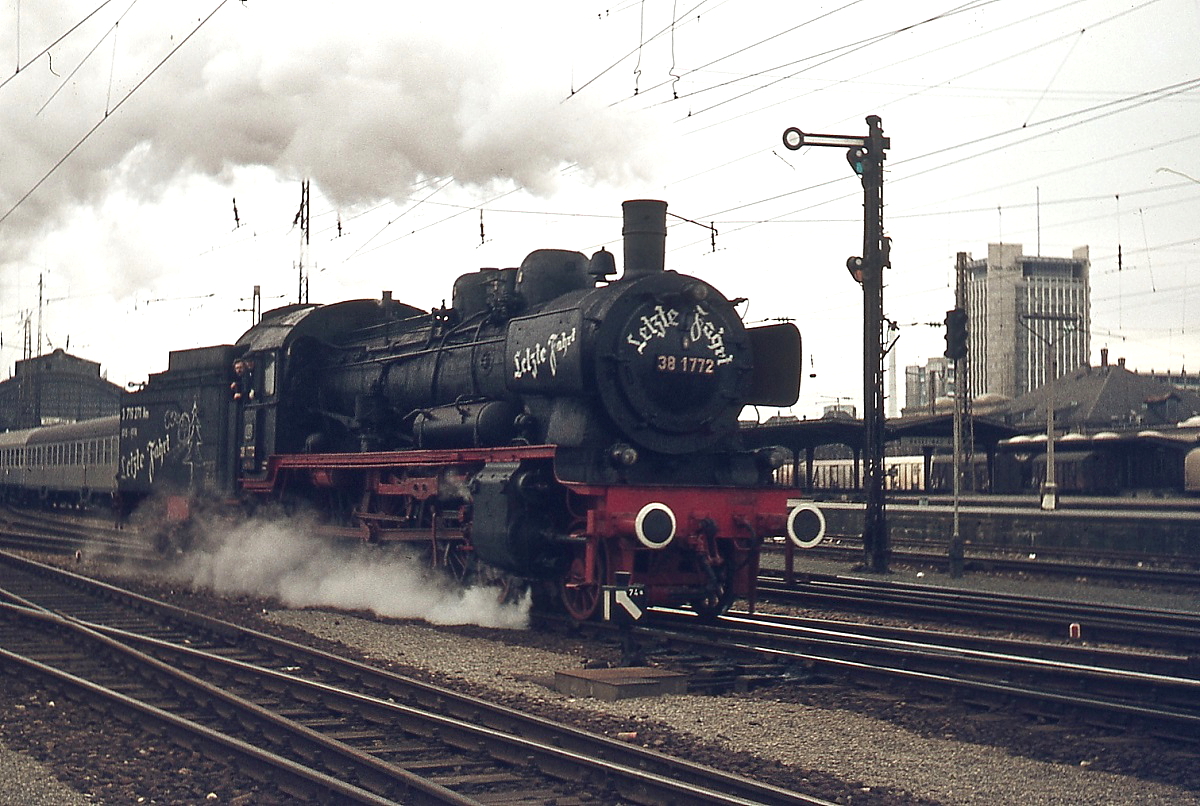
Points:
(937, 429)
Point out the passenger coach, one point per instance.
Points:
(70, 464)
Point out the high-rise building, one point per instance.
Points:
(924, 385)
(1028, 317)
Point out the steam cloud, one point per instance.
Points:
(366, 106)
(278, 560)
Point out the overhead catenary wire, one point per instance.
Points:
(832, 54)
(897, 169)
(49, 47)
(109, 112)
(641, 42)
(1061, 65)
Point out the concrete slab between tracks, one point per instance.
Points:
(621, 683)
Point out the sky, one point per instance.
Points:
(441, 140)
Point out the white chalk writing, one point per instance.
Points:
(705, 330)
(180, 441)
(701, 330)
(653, 327)
(146, 458)
(531, 360)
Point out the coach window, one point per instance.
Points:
(268, 374)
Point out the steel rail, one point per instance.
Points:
(676, 780)
(1138, 626)
(840, 650)
(299, 778)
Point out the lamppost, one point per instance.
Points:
(1049, 491)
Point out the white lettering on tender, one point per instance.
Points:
(147, 458)
(181, 435)
(531, 360)
(135, 413)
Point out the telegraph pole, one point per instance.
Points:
(866, 156)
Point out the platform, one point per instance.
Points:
(621, 683)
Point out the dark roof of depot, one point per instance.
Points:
(1108, 398)
(1105, 397)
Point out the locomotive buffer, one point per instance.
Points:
(866, 156)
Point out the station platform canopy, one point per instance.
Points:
(935, 431)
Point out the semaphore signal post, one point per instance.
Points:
(866, 156)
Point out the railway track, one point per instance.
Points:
(1115, 566)
(1011, 533)
(323, 727)
(1154, 693)
(1176, 630)
(65, 534)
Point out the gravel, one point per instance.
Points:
(25, 781)
(866, 752)
(848, 745)
(55, 751)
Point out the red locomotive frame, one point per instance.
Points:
(626, 535)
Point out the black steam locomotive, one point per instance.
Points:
(572, 429)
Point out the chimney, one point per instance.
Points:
(1103, 357)
(1121, 363)
(645, 233)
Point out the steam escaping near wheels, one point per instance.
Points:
(281, 559)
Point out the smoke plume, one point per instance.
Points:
(364, 99)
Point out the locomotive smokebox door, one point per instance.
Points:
(673, 362)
